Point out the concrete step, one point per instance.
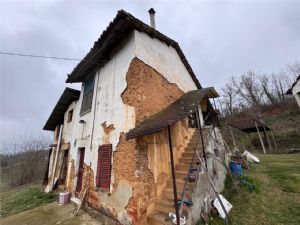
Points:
(194, 144)
(192, 148)
(164, 209)
(187, 154)
(169, 195)
(165, 202)
(188, 160)
(159, 218)
(180, 185)
(180, 174)
(182, 167)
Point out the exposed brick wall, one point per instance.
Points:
(149, 92)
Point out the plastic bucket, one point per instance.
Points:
(236, 168)
(64, 198)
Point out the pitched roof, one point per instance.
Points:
(289, 92)
(248, 125)
(117, 30)
(181, 108)
(57, 116)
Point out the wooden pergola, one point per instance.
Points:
(251, 125)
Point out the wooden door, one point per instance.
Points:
(80, 171)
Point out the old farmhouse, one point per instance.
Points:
(129, 138)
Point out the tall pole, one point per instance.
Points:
(250, 141)
(173, 176)
(261, 141)
(274, 140)
(265, 131)
(232, 137)
(214, 188)
(56, 157)
(201, 135)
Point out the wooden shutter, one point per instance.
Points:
(104, 166)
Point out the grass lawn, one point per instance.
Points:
(278, 198)
(23, 198)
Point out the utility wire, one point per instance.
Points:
(46, 57)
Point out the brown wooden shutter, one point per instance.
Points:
(104, 166)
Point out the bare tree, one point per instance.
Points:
(267, 88)
(28, 152)
(248, 89)
(228, 98)
(294, 69)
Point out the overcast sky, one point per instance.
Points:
(219, 39)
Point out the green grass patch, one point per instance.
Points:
(277, 198)
(23, 199)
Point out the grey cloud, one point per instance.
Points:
(219, 39)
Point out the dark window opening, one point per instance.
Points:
(192, 120)
(87, 98)
(64, 168)
(70, 116)
(80, 171)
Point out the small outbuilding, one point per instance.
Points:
(251, 125)
(295, 90)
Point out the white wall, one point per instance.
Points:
(296, 92)
(164, 59)
(110, 82)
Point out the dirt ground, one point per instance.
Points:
(50, 214)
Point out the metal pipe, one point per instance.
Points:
(173, 176)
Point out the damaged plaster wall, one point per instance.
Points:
(203, 192)
(145, 161)
(116, 108)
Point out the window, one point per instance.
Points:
(87, 96)
(104, 167)
(70, 116)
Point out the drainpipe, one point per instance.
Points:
(56, 157)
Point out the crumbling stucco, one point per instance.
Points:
(147, 90)
(107, 130)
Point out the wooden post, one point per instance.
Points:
(201, 135)
(266, 134)
(250, 140)
(232, 137)
(56, 157)
(214, 188)
(275, 144)
(173, 176)
(261, 141)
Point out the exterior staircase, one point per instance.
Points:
(165, 202)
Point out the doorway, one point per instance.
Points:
(80, 171)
